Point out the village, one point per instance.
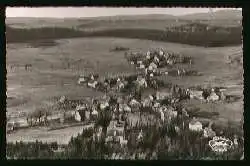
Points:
(128, 110)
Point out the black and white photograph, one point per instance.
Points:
(124, 83)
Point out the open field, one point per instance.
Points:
(62, 136)
(31, 88)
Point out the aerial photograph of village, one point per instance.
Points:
(124, 83)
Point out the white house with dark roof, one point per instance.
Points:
(195, 125)
(213, 96)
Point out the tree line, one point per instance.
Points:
(207, 38)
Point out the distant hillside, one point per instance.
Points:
(218, 15)
(226, 29)
(133, 17)
(150, 21)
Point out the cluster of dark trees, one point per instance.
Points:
(207, 38)
(162, 140)
(31, 150)
(201, 38)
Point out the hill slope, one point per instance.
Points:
(218, 15)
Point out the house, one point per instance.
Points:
(142, 82)
(10, 126)
(94, 113)
(170, 61)
(78, 116)
(162, 115)
(82, 80)
(92, 84)
(21, 123)
(161, 53)
(140, 136)
(213, 96)
(195, 94)
(62, 99)
(119, 86)
(139, 62)
(83, 112)
(208, 133)
(115, 132)
(141, 66)
(162, 95)
(69, 115)
(156, 105)
(235, 141)
(152, 66)
(133, 102)
(156, 59)
(222, 95)
(148, 54)
(195, 125)
(87, 115)
(169, 112)
(92, 77)
(98, 133)
(124, 107)
(147, 102)
(104, 105)
(123, 142)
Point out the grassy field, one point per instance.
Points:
(62, 136)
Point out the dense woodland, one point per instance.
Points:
(208, 38)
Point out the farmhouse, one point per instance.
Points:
(82, 79)
(141, 82)
(195, 94)
(94, 113)
(140, 136)
(115, 131)
(92, 84)
(152, 66)
(124, 107)
(62, 99)
(147, 102)
(213, 96)
(195, 125)
(10, 126)
(208, 133)
(162, 95)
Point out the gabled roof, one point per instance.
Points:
(195, 122)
